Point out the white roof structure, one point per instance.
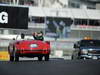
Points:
(64, 12)
(36, 11)
(79, 13)
(93, 14)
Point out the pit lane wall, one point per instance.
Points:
(4, 56)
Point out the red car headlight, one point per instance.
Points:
(33, 45)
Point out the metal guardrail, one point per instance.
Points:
(85, 27)
(36, 25)
(62, 45)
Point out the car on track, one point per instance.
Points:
(29, 48)
(86, 49)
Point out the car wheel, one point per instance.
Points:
(74, 56)
(11, 58)
(40, 58)
(84, 58)
(47, 57)
(16, 58)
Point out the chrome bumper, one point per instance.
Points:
(91, 56)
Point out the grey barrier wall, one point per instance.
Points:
(4, 43)
(62, 45)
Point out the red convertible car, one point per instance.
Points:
(29, 48)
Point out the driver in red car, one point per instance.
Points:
(38, 36)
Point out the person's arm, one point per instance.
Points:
(35, 36)
(41, 37)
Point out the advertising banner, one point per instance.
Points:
(13, 17)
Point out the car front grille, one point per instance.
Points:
(94, 52)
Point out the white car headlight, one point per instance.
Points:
(90, 49)
(84, 51)
(33, 45)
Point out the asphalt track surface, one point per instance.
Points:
(52, 67)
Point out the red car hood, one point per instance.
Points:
(28, 45)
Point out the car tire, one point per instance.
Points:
(11, 58)
(74, 56)
(16, 58)
(47, 57)
(40, 58)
